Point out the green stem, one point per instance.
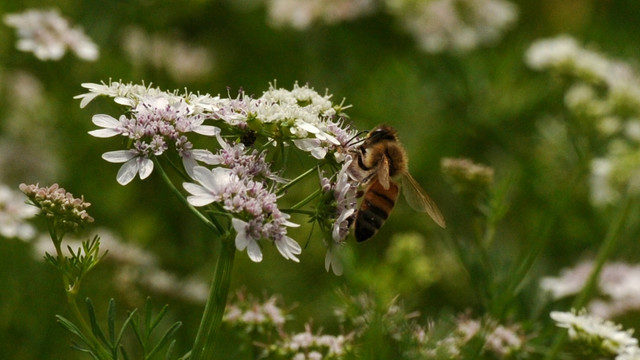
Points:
(604, 253)
(208, 222)
(216, 303)
(294, 181)
(306, 200)
(72, 292)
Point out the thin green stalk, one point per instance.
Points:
(604, 253)
(294, 181)
(72, 292)
(212, 224)
(306, 200)
(216, 303)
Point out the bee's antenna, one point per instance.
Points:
(355, 137)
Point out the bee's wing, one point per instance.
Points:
(419, 200)
(383, 172)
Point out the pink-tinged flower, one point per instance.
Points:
(157, 123)
(213, 185)
(331, 260)
(134, 164)
(245, 240)
(55, 202)
(288, 248)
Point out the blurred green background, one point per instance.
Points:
(484, 104)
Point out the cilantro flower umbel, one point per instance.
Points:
(234, 177)
(600, 336)
(69, 213)
(239, 186)
(156, 124)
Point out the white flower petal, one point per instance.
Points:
(331, 261)
(288, 248)
(201, 200)
(217, 179)
(241, 229)
(119, 156)
(206, 156)
(208, 130)
(145, 166)
(104, 133)
(86, 98)
(307, 127)
(127, 172)
(254, 252)
(105, 121)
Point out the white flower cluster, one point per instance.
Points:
(619, 285)
(48, 35)
(183, 61)
(14, 212)
(309, 346)
(605, 92)
(251, 314)
(499, 340)
(438, 25)
(301, 14)
(241, 182)
(56, 203)
(597, 335)
(454, 25)
(342, 193)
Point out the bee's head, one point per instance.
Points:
(381, 133)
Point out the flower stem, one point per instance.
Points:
(294, 181)
(72, 291)
(306, 200)
(210, 224)
(605, 251)
(216, 303)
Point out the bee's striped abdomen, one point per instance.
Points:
(375, 208)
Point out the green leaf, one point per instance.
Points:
(124, 326)
(157, 319)
(124, 353)
(147, 317)
(94, 323)
(136, 330)
(111, 321)
(170, 350)
(166, 337)
(72, 328)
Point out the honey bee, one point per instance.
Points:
(378, 161)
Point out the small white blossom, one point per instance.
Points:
(246, 240)
(606, 335)
(570, 281)
(307, 345)
(301, 14)
(157, 123)
(454, 25)
(14, 212)
(182, 60)
(254, 315)
(48, 35)
(135, 163)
